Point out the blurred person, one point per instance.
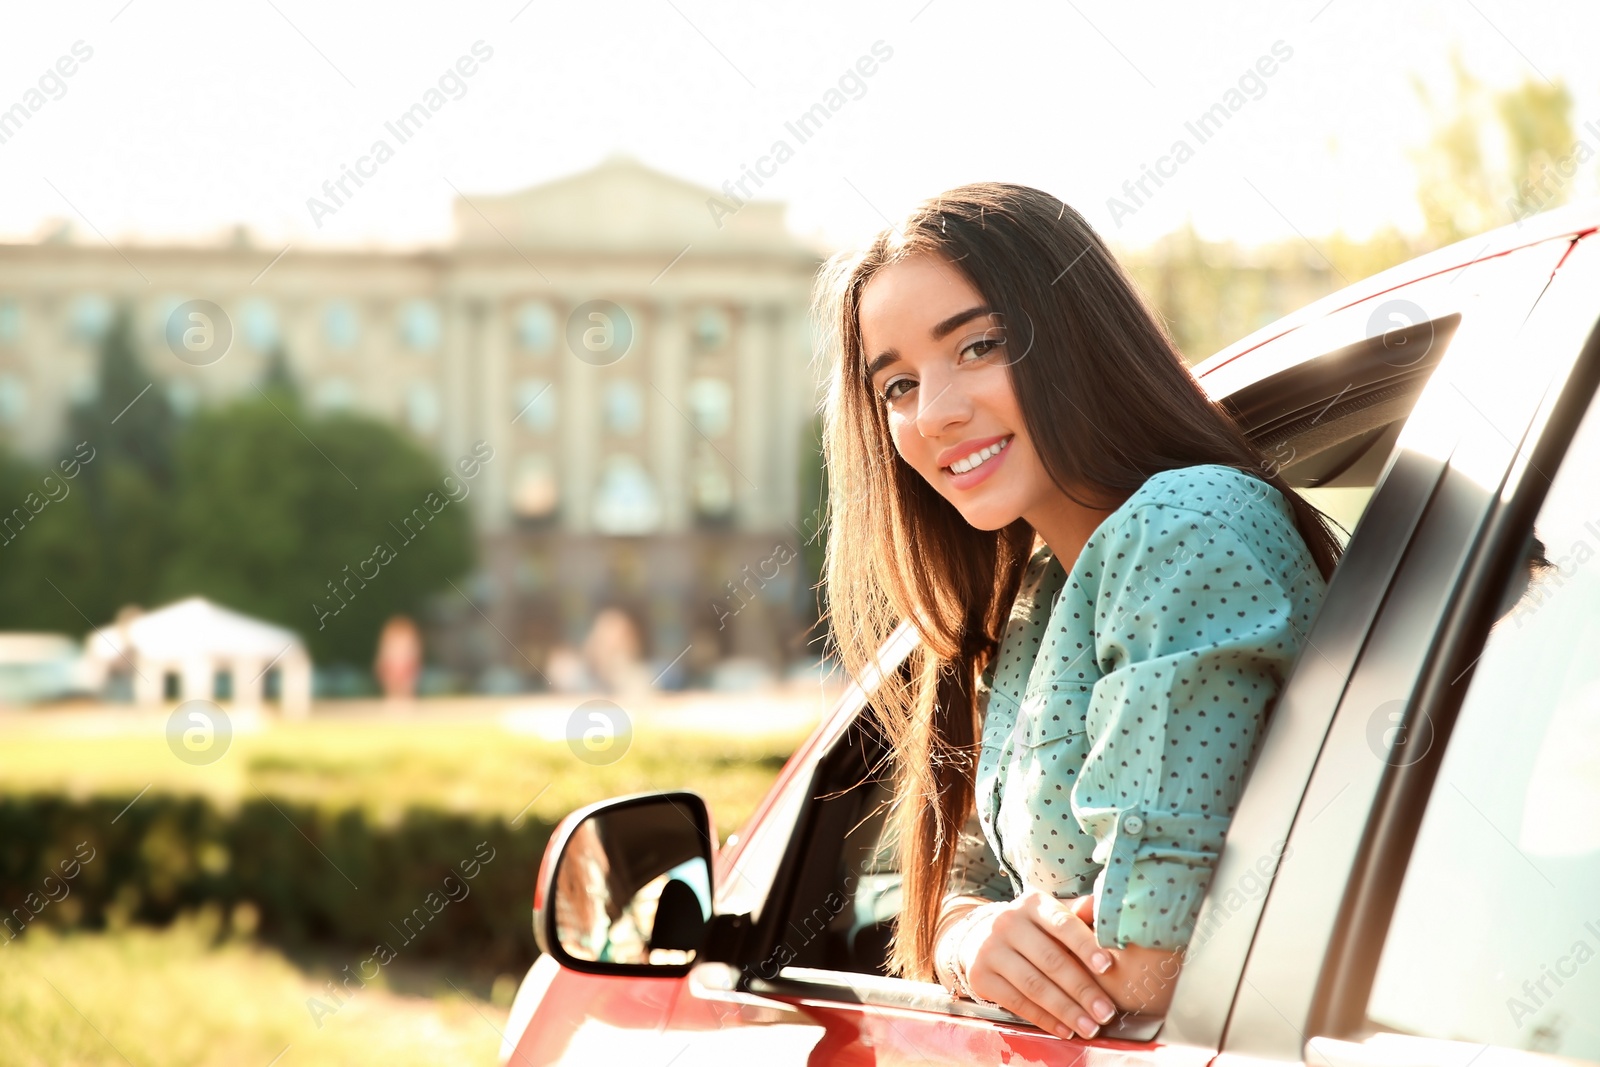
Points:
(398, 663)
(614, 653)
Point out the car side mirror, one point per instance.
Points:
(625, 886)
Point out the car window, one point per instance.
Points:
(750, 878)
(1343, 504)
(1496, 934)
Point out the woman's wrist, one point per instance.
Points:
(953, 925)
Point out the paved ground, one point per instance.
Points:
(790, 708)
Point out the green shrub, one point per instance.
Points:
(309, 874)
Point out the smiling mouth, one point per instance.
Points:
(978, 458)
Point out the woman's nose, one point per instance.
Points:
(941, 405)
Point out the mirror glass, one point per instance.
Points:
(633, 885)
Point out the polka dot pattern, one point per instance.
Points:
(1125, 704)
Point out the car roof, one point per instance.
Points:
(1572, 220)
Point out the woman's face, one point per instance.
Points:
(936, 358)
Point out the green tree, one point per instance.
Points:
(128, 419)
(303, 521)
(48, 567)
(1490, 159)
(812, 530)
(127, 488)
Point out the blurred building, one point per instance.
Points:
(196, 650)
(648, 460)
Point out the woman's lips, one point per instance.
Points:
(983, 470)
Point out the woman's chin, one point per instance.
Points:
(988, 518)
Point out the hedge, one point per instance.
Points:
(437, 884)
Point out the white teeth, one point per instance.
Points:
(967, 463)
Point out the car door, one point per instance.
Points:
(1445, 910)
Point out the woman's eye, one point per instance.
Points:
(893, 392)
(982, 347)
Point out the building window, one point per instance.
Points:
(535, 492)
(627, 502)
(335, 394)
(710, 329)
(419, 325)
(13, 399)
(260, 324)
(91, 317)
(536, 328)
(711, 489)
(340, 326)
(422, 407)
(10, 320)
(535, 401)
(624, 407)
(161, 313)
(711, 405)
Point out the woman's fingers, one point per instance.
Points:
(1045, 948)
(999, 989)
(1065, 920)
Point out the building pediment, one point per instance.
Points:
(623, 204)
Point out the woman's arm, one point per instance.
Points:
(1037, 957)
(1200, 613)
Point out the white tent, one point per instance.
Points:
(182, 652)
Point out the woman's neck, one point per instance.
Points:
(1065, 526)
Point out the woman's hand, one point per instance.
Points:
(1037, 957)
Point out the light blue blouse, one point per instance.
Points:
(1126, 701)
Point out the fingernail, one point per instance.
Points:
(1104, 1010)
(1102, 962)
(1086, 1026)
(1063, 1030)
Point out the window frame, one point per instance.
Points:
(1357, 819)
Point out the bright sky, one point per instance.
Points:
(189, 117)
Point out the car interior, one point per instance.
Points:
(1333, 420)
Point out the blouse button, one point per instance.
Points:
(1131, 823)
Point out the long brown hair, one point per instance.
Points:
(1106, 399)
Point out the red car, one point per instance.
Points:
(1413, 875)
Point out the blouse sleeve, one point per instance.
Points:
(976, 871)
(1195, 633)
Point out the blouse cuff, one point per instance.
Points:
(1157, 869)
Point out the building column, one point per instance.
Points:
(455, 352)
(494, 424)
(197, 680)
(671, 434)
(752, 424)
(247, 693)
(147, 680)
(578, 430)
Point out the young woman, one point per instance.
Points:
(1109, 581)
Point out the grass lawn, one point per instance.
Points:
(179, 998)
(489, 764)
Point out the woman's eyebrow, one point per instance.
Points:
(940, 331)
